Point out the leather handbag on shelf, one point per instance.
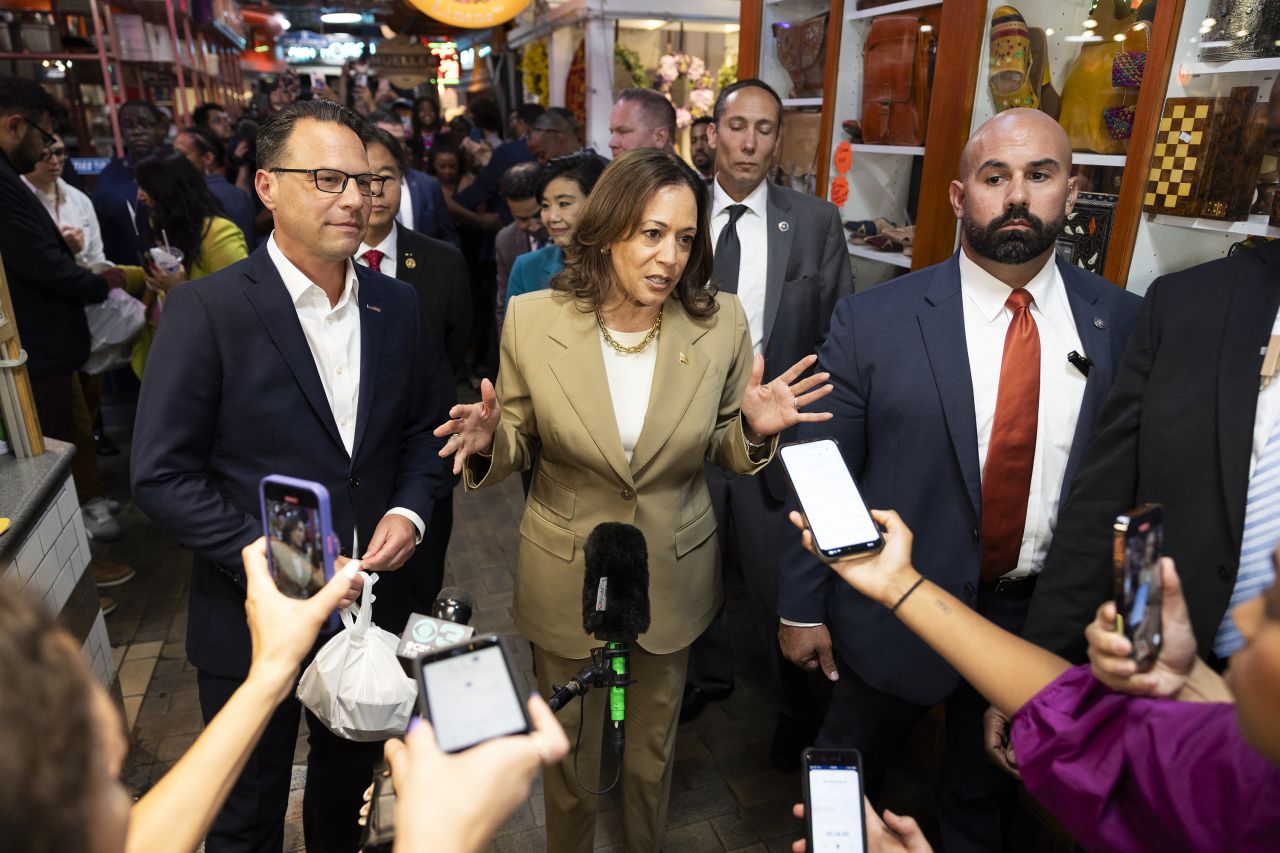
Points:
(798, 157)
(802, 50)
(1093, 109)
(1243, 29)
(897, 65)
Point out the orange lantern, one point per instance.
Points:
(844, 157)
(471, 14)
(839, 191)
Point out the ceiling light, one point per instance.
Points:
(1089, 24)
(1049, 31)
(1118, 37)
(285, 23)
(341, 18)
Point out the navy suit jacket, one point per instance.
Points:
(231, 393)
(430, 211)
(904, 418)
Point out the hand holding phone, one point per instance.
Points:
(1139, 594)
(298, 526)
(469, 694)
(834, 511)
(834, 819)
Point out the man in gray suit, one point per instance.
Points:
(784, 254)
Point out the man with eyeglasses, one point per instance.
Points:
(115, 194)
(294, 361)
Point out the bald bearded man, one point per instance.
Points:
(956, 404)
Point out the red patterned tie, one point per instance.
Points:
(374, 259)
(1006, 477)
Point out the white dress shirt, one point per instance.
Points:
(70, 207)
(1264, 419)
(333, 335)
(986, 322)
(390, 257)
(405, 216)
(630, 382)
(753, 235)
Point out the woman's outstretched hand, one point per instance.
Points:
(470, 427)
(883, 576)
(769, 409)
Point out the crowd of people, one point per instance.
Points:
(642, 334)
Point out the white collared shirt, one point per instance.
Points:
(333, 336)
(69, 206)
(1264, 420)
(753, 235)
(405, 216)
(986, 323)
(387, 247)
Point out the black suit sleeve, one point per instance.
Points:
(458, 323)
(173, 436)
(423, 474)
(837, 271)
(1078, 570)
(35, 255)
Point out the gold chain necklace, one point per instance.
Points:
(632, 350)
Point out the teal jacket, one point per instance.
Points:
(534, 271)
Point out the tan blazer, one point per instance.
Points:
(555, 396)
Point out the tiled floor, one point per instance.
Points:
(725, 795)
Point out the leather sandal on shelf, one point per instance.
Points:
(894, 240)
(1009, 72)
(1050, 100)
(862, 229)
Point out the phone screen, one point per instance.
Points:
(830, 500)
(295, 539)
(470, 698)
(1140, 591)
(835, 804)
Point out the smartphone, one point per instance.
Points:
(832, 506)
(301, 547)
(469, 694)
(380, 828)
(833, 812)
(1137, 548)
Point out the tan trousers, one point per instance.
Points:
(653, 711)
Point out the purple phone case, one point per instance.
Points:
(326, 520)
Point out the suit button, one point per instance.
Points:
(627, 494)
(968, 590)
(1224, 572)
(354, 482)
(974, 534)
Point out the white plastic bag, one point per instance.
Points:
(355, 685)
(113, 323)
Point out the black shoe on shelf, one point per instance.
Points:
(790, 739)
(696, 699)
(105, 446)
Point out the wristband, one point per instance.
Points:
(894, 608)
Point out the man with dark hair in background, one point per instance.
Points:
(521, 120)
(784, 254)
(422, 204)
(206, 152)
(484, 112)
(519, 187)
(642, 118)
(700, 150)
(294, 361)
(554, 134)
(49, 292)
(215, 118)
(125, 232)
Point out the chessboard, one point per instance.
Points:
(1178, 164)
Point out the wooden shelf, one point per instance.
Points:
(1234, 66)
(900, 150)
(891, 9)
(896, 259)
(792, 103)
(1255, 225)
(1088, 158)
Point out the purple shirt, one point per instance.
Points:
(1128, 773)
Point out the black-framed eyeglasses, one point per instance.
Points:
(335, 180)
(49, 138)
(49, 153)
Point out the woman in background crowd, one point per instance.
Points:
(563, 188)
(71, 209)
(423, 129)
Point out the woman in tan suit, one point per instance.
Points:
(626, 374)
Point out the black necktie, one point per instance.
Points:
(729, 251)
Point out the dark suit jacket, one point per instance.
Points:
(484, 190)
(1177, 429)
(236, 204)
(439, 276)
(430, 210)
(49, 290)
(808, 272)
(904, 418)
(231, 394)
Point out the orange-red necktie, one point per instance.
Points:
(373, 258)
(1006, 477)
